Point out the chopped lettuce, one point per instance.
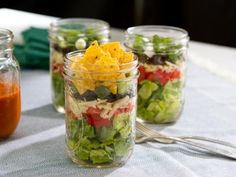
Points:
(161, 46)
(106, 134)
(172, 90)
(83, 153)
(120, 121)
(123, 87)
(58, 88)
(139, 43)
(89, 131)
(89, 143)
(168, 111)
(122, 147)
(73, 128)
(147, 88)
(100, 156)
(123, 125)
(100, 145)
(163, 104)
(166, 45)
(69, 34)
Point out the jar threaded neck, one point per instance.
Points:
(6, 40)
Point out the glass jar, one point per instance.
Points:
(100, 114)
(161, 51)
(10, 104)
(67, 35)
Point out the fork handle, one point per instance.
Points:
(212, 140)
(211, 149)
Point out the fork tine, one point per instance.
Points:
(142, 129)
(148, 132)
(145, 129)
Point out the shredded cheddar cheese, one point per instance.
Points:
(100, 63)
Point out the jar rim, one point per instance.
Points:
(5, 34)
(54, 26)
(134, 63)
(159, 53)
(173, 36)
(155, 28)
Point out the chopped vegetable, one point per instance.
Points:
(162, 105)
(105, 62)
(163, 47)
(102, 92)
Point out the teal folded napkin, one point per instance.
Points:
(34, 53)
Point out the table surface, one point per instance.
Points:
(37, 148)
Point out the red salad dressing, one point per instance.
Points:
(10, 108)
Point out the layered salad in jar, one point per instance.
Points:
(67, 35)
(161, 80)
(100, 105)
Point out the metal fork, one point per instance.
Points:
(151, 134)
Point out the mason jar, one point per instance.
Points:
(100, 113)
(67, 35)
(161, 51)
(10, 103)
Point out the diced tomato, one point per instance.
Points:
(92, 110)
(58, 68)
(93, 118)
(175, 74)
(97, 121)
(141, 70)
(163, 77)
(158, 75)
(153, 77)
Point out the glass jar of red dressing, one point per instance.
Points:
(10, 102)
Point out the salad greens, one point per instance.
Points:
(146, 89)
(100, 145)
(69, 35)
(123, 87)
(58, 88)
(139, 43)
(164, 47)
(161, 105)
(160, 82)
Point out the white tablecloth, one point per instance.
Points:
(37, 148)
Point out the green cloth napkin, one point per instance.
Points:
(34, 53)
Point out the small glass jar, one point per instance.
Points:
(100, 114)
(10, 103)
(67, 35)
(161, 51)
